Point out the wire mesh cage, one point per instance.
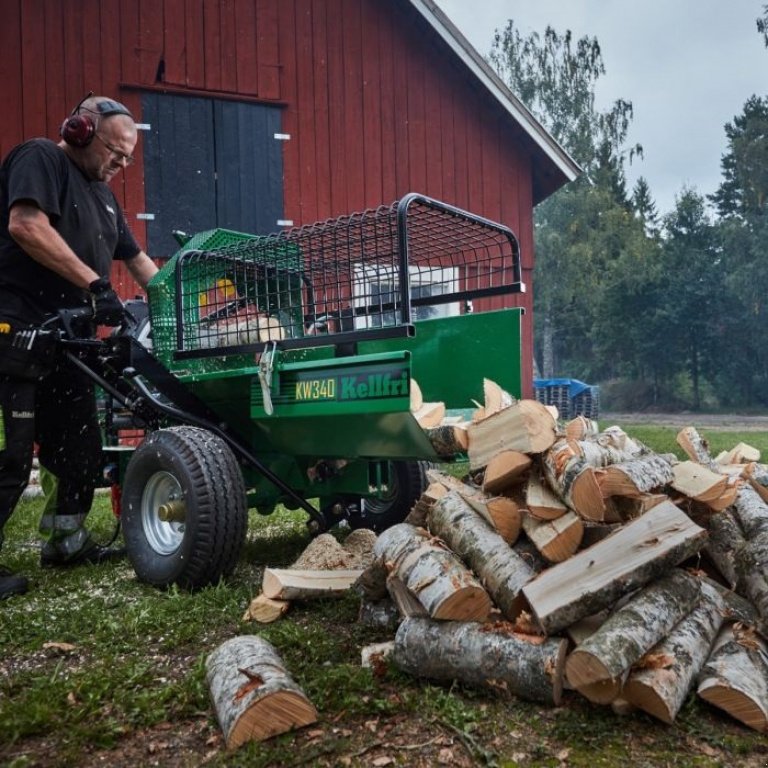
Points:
(366, 275)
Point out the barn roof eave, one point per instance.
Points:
(566, 169)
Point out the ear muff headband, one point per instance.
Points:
(78, 129)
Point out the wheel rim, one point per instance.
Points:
(164, 537)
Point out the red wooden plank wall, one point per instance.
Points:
(374, 104)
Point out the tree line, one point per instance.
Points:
(664, 311)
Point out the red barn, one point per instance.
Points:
(262, 114)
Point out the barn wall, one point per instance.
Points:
(374, 104)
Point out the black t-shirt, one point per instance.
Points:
(84, 212)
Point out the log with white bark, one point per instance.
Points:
(432, 573)
(380, 614)
(502, 513)
(735, 677)
(295, 584)
(751, 512)
(635, 477)
(632, 630)
(595, 578)
(265, 610)
(525, 426)
(418, 514)
(725, 539)
(449, 439)
(581, 428)
(502, 571)
(254, 695)
(662, 679)
(505, 469)
(758, 479)
(752, 573)
(556, 539)
(696, 447)
(540, 501)
(490, 656)
(611, 446)
(575, 482)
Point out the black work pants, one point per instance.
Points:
(58, 412)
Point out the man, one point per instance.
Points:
(60, 230)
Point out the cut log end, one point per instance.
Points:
(736, 704)
(282, 711)
(644, 697)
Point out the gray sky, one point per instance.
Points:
(687, 66)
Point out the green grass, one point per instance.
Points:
(93, 661)
(662, 439)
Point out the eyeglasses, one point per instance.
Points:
(121, 157)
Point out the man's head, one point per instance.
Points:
(99, 136)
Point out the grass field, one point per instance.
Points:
(99, 669)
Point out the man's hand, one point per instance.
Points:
(107, 307)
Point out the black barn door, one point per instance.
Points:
(209, 163)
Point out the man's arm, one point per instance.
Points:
(142, 268)
(32, 230)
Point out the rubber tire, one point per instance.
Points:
(409, 481)
(211, 483)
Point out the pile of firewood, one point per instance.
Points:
(573, 558)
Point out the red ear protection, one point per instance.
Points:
(78, 129)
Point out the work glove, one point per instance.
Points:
(107, 307)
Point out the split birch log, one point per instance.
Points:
(612, 446)
(502, 513)
(595, 578)
(581, 428)
(660, 682)
(265, 610)
(556, 539)
(418, 514)
(294, 584)
(406, 603)
(505, 469)
(751, 512)
(429, 415)
(629, 632)
(541, 502)
(575, 482)
(725, 540)
(758, 479)
(735, 677)
(695, 446)
(741, 453)
(698, 482)
(489, 656)
(448, 439)
(254, 696)
(495, 397)
(636, 477)
(525, 426)
(629, 508)
(502, 571)
(432, 573)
